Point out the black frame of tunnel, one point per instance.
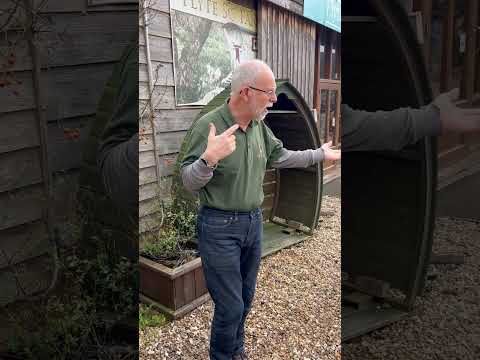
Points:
(285, 90)
(393, 16)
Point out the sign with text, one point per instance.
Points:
(324, 12)
(210, 38)
(222, 11)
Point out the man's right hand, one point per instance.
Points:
(219, 146)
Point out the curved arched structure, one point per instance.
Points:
(388, 197)
(292, 196)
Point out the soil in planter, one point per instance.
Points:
(186, 252)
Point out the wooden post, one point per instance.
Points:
(425, 6)
(447, 47)
(470, 54)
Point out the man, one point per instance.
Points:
(226, 157)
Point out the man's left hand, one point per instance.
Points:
(329, 153)
(455, 118)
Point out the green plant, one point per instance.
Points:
(76, 323)
(172, 243)
(148, 317)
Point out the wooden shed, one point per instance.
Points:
(387, 227)
(292, 202)
(296, 48)
(51, 86)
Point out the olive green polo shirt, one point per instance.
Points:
(237, 182)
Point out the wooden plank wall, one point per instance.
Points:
(294, 6)
(170, 123)
(78, 51)
(286, 42)
(284, 39)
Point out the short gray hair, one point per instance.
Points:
(246, 73)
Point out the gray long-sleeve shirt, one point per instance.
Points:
(197, 175)
(361, 131)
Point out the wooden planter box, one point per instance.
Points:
(174, 291)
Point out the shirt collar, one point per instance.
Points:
(228, 117)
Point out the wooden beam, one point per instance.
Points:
(317, 72)
(471, 57)
(447, 47)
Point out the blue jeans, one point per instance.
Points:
(230, 247)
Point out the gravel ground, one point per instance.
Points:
(445, 323)
(296, 311)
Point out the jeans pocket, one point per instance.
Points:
(217, 221)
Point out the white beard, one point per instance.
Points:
(261, 116)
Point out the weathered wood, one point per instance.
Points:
(23, 242)
(65, 151)
(148, 191)
(291, 5)
(160, 50)
(270, 175)
(181, 290)
(96, 3)
(274, 239)
(19, 94)
(162, 73)
(269, 188)
(359, 300)
(175, 120)
(59, 6)
(200, 286)
(145, 143)
(169, 143)
(147, 175)
(141, 34)
(162, 5)
(371, 286)
(23, 206)
(472, 56)
(75, 91)
(158, 24)
(146, 159)
(163, 97)
(267, 201)
(189, 287)
(33, 276)
(82, 6)
(23, 61)
(148, 207)
(167, 164)
(361, 322)
(64, 199)
(288, 39)
(18, 130)
(20, 168)
(87, 39)
(179, 285)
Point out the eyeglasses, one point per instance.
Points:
(268, 92)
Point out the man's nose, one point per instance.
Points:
(274, 98)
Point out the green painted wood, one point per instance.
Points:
(274, 239)
(359, 322)
(387, 226)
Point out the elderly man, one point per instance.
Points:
(225, 161)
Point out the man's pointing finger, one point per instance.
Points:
(230, 130)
